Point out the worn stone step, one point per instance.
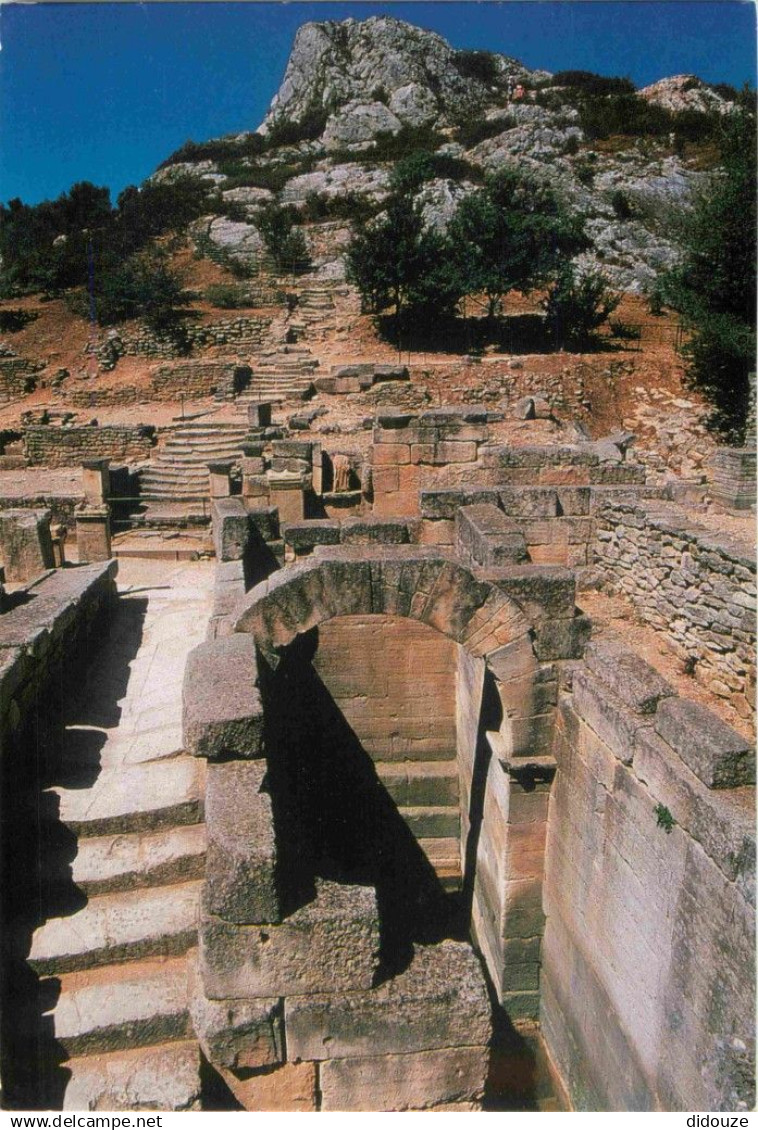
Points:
(136, 798)
(432, 821)
(165, 1077)
(125, 926)
(413, 783)
(104, 864)
(120, 1006)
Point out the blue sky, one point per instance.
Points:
(104, 92)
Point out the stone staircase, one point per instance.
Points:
(122, 859)
(179, 470)
(315, 316)
(113, 974)
(284, 373)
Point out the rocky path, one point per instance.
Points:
(123, 854)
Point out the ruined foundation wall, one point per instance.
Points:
(394, 682)
(50, 446)
(649, 944)
(684, 581)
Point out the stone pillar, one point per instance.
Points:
(288, 495)
(25, 544)
(219, 474)
(93, 534)
(259, 414)
(58, 534)
(733, 477)
(96, 481)
(507, 912)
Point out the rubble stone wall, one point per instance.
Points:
(649, 888)
(227, 334)
(697, 588)
(50, 446)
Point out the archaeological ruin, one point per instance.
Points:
(377, 714)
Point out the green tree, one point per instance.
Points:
(144, 286)
(715, 287)
(398, 262)
(576, 306)
(284, 242)
(513, 234)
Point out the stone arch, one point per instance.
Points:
(400, 581)
(439, 591)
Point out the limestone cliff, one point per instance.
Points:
(358, 95)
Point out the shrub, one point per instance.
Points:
(621, 206)
(308, 128)
(379, 94)
(625, 332)
(585, 171)
(192, 152)
(592, 84)
(351, 206)
(480, 65)
(227, 296)
(571, 146)
(471, 133)
(577, 306)
(13, 320)
(393, 147)
(414, 170)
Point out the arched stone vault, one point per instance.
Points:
(401, 581)
(442, 592)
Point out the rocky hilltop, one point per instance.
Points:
(381, 74)
(357, 96)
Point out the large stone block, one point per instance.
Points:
(240, 872)
(231, 528)
(290, 1088)
(404, 1082)
(375, 531)
(222, 710)
(723, 822)
(488, 537)
(716, 753)
(544, 592)
(25, 543)
(329, 945)
(606, 714)
(439, 1001)
(635, 682)
(444, 504)
(239, 1035)
(563, 639)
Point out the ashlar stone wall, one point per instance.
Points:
(649, 946)
(394, 681)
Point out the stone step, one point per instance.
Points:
(165, 1077)
(120, 1007)
(134, 798)
(104, 864)
(432, 821)
(420, 782)
(125, 926)
(444, 854)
